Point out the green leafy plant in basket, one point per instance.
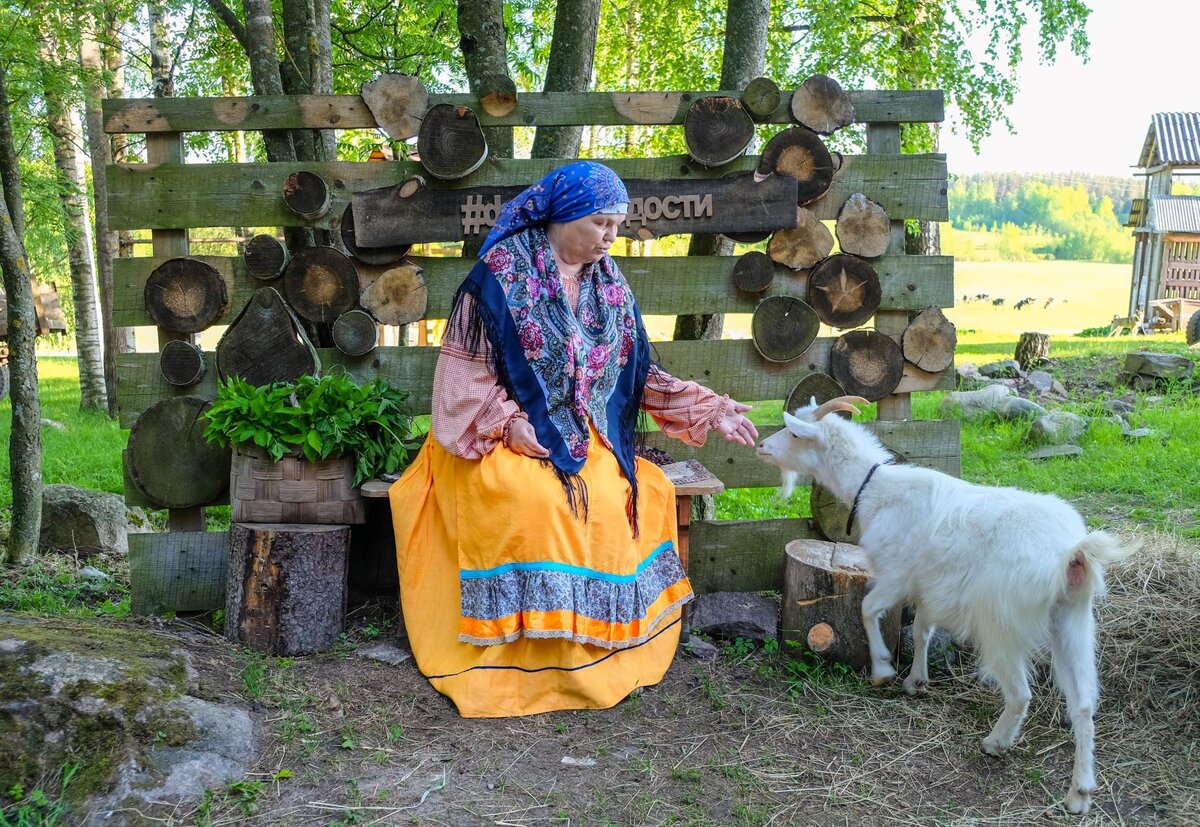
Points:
(321, 418)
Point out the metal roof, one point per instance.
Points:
(1173, 138)
(1174, 214)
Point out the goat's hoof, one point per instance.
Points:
(1078, 801)
(883, 675)
(916, 686)
(994, 746)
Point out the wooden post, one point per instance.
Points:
(683, 513)
(286, 588)
(167, 148)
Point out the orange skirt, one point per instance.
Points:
(515, 606)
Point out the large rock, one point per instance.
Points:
(123, 707)
(975, 403)
(1004, 369)
(1144, 370)
(84, 522)
(732, 615)
(1016, 407)
(1057, 428)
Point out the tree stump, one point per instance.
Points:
(717, 129)
(803, 246)
(285, 592)
(822, 105)
(181, 363)
(801, 154)
(929, 341)
(306, 194)
(185, 295)
(451, 142)
(844, 290)
(783, 327)
(823, 588)
(1032, 350)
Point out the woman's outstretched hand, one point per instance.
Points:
(523, 439)
(736, 427)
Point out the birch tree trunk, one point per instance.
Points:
(161, 71)
(744, 59)
(116, 340)
(66, 135)
(572, 52)
(483, 42)
(25, 439)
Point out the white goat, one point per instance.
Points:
(1010, 570)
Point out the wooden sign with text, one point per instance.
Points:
(384, 218)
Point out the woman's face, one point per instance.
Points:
(584, 239)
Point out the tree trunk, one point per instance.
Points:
(572, 51)
(114, 62)
(115, 341)
(66, 135)
(25, 439)
(743, 60)
(483, 42)
(296, 69)
(1032, 350)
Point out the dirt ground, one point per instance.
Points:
(751, 737)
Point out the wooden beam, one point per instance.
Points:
(533, 109)
(148, 196)
(664, 285)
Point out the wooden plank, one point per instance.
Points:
(533, 109)
(930, 443)
(179, 571)
(730, 366)
(742, 555)
(147, 196)
(663, 285)
(385, 218)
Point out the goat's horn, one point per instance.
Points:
(840, 403)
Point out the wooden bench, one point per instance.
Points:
(690, 478)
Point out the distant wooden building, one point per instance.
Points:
(1166, 227)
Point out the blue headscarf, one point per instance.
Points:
(570, 192)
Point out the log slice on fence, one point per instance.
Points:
(863, 227)
(265, 343)
(823, 589)
(804, 245)
(375, 256)
(185, 295)
(783, 327)
(451, 142)
(844, 290)
(801, 154)
(397, 103)
(410, 186)
(266, 256)
(181, 363)
(285, 592)
(866, 363)
(822, 105)
(355, 333)
(497, 94)
(717, 129)
(761, 98)
(307, 194)
(829, 515)
(321, 284)
(753, 272)
(399, 296)
(819, 386)
(929, 341)
(169, 459)
(1032, 349)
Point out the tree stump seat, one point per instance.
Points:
(690, 478)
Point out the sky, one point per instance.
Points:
(1092, 117)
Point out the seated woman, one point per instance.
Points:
(537, 556)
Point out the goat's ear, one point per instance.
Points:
(799, 427)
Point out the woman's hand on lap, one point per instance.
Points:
(523, 439)
(735, 427)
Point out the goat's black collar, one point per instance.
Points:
(858, 496)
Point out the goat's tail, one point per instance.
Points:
(1087, 561)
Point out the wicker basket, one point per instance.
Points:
(292, 490)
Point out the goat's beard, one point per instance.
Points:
(790, 478)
